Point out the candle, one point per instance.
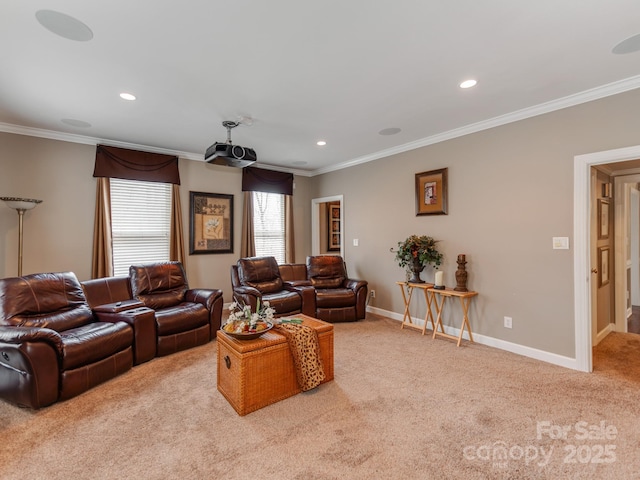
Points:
(439, 276)
(461, 257)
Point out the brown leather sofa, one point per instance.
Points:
(184, 317)
(60, 337)
(338, 298)
(325, 291)
(52, 347)
(254, 278)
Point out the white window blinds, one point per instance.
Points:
(268, 225)
(140, 222)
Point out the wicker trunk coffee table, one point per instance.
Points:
(255, 373)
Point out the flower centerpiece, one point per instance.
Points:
(415, 253)
(243, 323)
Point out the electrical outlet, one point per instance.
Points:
(508, 322)
(373, 294)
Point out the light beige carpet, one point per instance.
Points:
(402, 406)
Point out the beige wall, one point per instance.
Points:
(58, 233)
(510, 192)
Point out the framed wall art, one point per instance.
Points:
(211, 223)
(603, 218)
(431, 192)
(333, 227)
(603, 266)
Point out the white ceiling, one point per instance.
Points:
(340, 71)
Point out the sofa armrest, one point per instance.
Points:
(204, 296)
(118, 306)
(308, 294)
(143, 322)
(292, 284)
(29, 366)
(18, 335)
(212, 300)
(247, 295)
(360, 287)
(246, 290)
(354, 284)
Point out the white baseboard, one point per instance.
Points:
(604, 332)
(523, 350)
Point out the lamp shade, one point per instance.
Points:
(20, 203)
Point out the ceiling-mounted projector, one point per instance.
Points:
(228, 154)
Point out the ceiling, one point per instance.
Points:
(339, 71)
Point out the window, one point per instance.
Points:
(268, 225)
(140, 223)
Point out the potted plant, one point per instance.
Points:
(415, 253)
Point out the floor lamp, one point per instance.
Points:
(21, 205)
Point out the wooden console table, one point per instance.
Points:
(465, 300)
(406, 297)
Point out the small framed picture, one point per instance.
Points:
(211, 223)
(431, 192)
(603, 218)
(603, 266)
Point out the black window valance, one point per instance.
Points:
(260, 180)
(114, 162)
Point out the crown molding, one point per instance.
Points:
(569, 101)
(86, 140)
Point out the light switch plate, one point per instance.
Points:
(355, 242)
(561, 243)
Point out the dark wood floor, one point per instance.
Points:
(633, 323)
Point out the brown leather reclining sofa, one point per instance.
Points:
(55, 344)
(320, 288)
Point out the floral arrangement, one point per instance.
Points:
(418, 248)
(243, 320)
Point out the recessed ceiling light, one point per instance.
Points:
(64, 25)
(389, 131)
(127, 96)
(468, 83)
(321, 143)
(299, 163)
(630, 45)
(75, 123)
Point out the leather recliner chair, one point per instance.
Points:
(184, 317)
(254, 278)
(51, 346)
(338, 298)
(109, 298)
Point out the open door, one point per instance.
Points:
(602, 257)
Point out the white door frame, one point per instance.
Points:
(582, 245)
(315, 222)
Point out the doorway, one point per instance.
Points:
(582, 195)
(327, 226)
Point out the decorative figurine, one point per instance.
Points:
(461, 275)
